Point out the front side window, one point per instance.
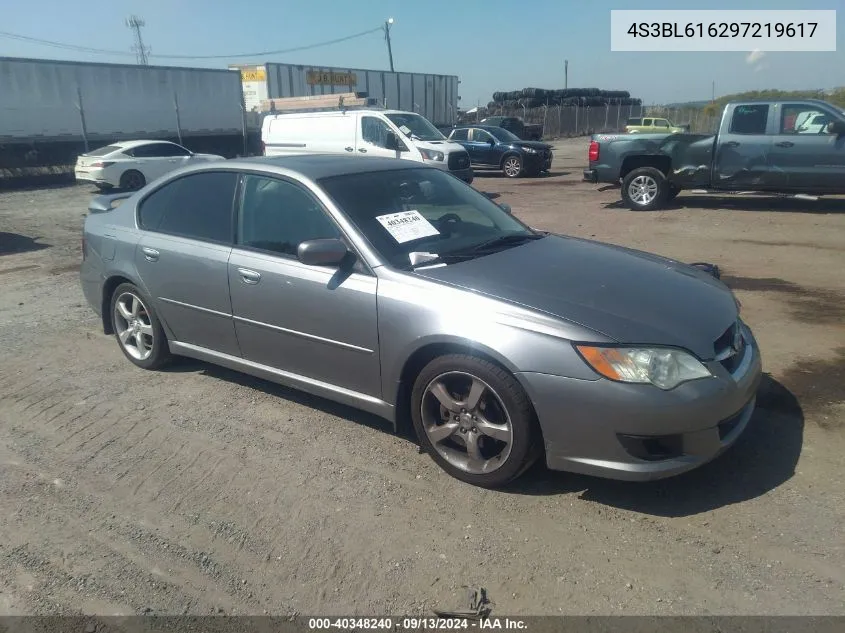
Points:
(749, 119)
(277, 216)
(197, 206)
(803, 119)
(503, 135)
(422, 210)
(481, 136)
(375, 131)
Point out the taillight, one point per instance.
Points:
(594, 151)
(103, 163)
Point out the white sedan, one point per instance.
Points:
(130, 165)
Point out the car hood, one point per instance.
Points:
(446, 146)
(532, 144)
(629, 296)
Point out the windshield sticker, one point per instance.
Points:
(405, 130)
(407, 226)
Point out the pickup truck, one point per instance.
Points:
(515, 125)
(758, 148)
(639, 125)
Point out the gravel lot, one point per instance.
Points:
(198, 490)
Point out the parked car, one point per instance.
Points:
(129, 165)
(639, 125)
(396, 288)
(493, 147)
(378, 133)
(515, 125)
(757, 148)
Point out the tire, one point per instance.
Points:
(498, 397)
(645, 189)
(132, 180)
(512, 166)
(151, 350)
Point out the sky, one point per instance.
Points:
(489, 44)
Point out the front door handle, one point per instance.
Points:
(785, 144)
(362, 150)
(732, 144)
(150, 254)
(249, 276)
(348, 149)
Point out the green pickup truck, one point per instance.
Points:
(649, 125)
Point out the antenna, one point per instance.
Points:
(135, 23)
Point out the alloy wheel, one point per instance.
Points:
(133, 326)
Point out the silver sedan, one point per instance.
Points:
(400, 290)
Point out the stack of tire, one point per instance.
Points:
(583, 97)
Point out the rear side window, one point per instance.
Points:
(459, 135)
(749, 119)
(636, 121)
(198, 206)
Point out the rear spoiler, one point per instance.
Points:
(106, 203)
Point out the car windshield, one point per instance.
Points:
(417, 126)
(503, 135)
(424, 211)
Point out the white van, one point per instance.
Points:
(390, 133)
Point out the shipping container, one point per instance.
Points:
(433, 96)
(46, 100)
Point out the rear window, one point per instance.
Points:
(636, 121)
(108, 149)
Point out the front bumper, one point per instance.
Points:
(590, 175)
(639, 432)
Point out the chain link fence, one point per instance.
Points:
(569, 121)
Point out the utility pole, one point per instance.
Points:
(565, 74)
(135, 23)
(387, 24)
(713, 92)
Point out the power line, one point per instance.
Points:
(102, 51)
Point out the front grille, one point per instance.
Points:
(458, 160)
(729, 347)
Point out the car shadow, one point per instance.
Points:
(746, 203)
(764, 457)
(330, 407)
(15, 244)
(498, 175)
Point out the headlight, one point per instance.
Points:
(529, 150)
(430, 154)
(661, 367)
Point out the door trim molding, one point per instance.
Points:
(191, 306)
(310, 337)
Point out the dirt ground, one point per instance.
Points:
(198, 490)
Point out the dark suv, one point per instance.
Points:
(493, 147)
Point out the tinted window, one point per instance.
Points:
(636, 121)
(481, 136)
(802, 119)
(278, 216)
(749, 119)
(503, 135)
(108, 149)
(374, 130)
(158, 150)
(198, 206)
(172, 150)
(459, 135)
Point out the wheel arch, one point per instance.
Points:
(660, 162)
(508, 154)
(109, 286)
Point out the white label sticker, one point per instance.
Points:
(406, 226)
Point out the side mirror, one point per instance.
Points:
(492, 141)
(325, 252)
(836, 127)
(504, 206)
(393, 142)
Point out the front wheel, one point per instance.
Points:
(645, 189)
(475, 420)
(512, 166)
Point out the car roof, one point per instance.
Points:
(131, 144)
(480, 126)
(317, 166)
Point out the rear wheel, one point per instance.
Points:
(132, 180)
(137, 328)
(644, 189)
(474, 419)
(512, 166)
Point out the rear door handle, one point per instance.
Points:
(732, 144)
(785, 144)
(150, 254)
(362, 150)
(249, 276)
(348, 149)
